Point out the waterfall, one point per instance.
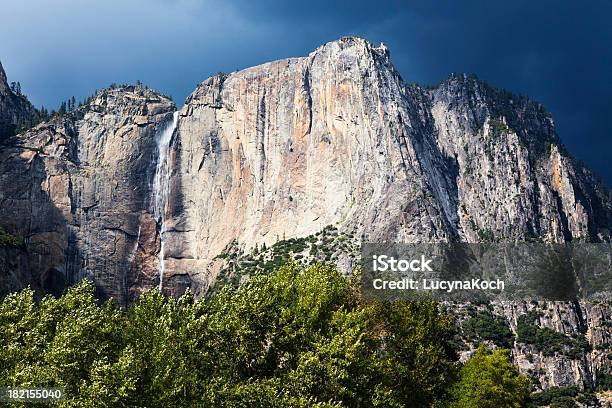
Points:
(161, 188)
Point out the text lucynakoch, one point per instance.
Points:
(434, 284)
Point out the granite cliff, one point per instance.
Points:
(78, 189)
(327, 150)
(287, 148)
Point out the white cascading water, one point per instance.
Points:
(161, 188)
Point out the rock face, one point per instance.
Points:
(286, 150)
(564, 369)
(571, 349)
(15, 110)
(78, 189)
(337, 138)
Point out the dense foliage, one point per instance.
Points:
(488, 380)
(294, 338)
(485, 326)
(564, 397)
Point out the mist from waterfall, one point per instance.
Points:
(161, 188)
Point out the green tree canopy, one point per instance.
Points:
(488, 380)
(297, 337)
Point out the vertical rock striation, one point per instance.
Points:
(289, 147)
(514, 180)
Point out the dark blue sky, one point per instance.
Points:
(559, 53)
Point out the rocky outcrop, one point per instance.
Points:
(78, 189)
(514, 179)
(287, 148)
(16, 111)
(569, 348)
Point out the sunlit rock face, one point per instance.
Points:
(283, 149)
(286, 148)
